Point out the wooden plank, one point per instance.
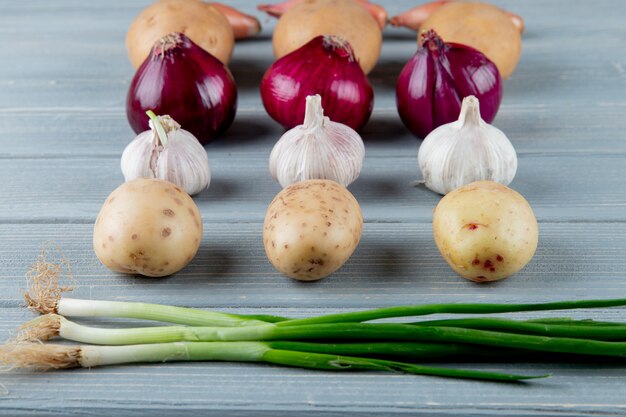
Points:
(81, 83)
(62, 87)
(217, 389)
(559, 187)
(395, 263)
(80, 132)
(583, 389)
(59, 79)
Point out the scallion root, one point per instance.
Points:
(45, 295)
(39, 356)
(39, 329)
(43, 280)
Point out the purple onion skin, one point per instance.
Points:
(434, 82)
(191, 85)
(324, 66)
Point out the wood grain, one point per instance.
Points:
(559, 187)
(63, 82)
(395, 263)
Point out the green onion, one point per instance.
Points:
(46, 356)
(572, 322)
(46, 298)
(401, 350)
(331, 342)
(44, 295)
(344, 363)
(425, 309)
(596, 332)
(60, 326)
(71, 307)
(387, 332)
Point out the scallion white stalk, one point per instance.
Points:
(92, 356)
(45, 295)
(71, 307)
(160, 334)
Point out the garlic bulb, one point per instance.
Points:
(465, 151)
(169, 153)
(317, 149)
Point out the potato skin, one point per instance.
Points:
(343, 18)
(485, 231)
(149, 227)
(482, 26)
(311, 228)
(206, 26)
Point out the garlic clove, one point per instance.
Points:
(466, 150)
(185, 165)
(317, 149)
(169, 153)
(134, 167)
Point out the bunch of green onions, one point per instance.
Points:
(339, 342)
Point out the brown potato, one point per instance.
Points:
(485, 231)
(203, 24)
(149, 227)
(344, 18)
(311, 229)
(481, 26)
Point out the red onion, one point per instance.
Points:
(184, 81)
(434, 82)
(324, 66)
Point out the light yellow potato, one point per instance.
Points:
(344, 18)
(482, 26)
(206, 26)
(149, 227)
(311, 228)
(485, 231)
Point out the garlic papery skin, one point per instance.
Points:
(317, 149)
(169, 153)
(465, 151)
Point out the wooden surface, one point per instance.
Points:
(63, 80)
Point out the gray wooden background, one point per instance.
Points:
(63, 81)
